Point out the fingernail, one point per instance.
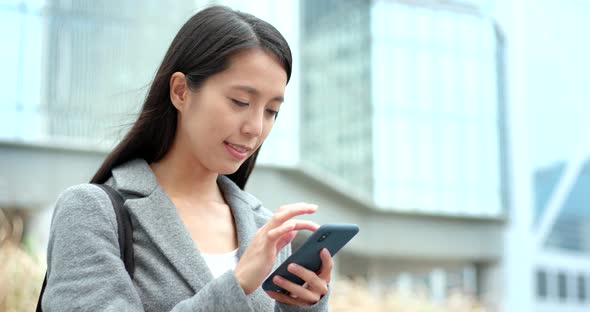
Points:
(278, 279)
(294, 266)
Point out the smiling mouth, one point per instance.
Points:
(239, 152)
(239, 148)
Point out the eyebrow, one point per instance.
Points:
(257, 93)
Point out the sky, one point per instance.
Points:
(558, 87)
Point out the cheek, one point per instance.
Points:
(203, 120)
(267, 128)
(195, 131)
(193, 125)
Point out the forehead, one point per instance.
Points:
(256, 69)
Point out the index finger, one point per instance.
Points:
(289, 211)
(327, 265)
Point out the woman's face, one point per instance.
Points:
(229, 117)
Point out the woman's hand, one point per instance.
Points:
(316, 284)
(259, 258)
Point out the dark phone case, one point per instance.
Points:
(308, 255)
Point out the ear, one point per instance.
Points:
(178, 91)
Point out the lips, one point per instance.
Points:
(238, 151)
(239, 148)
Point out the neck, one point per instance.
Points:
(182, 177)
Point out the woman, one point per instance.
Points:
(200, 242)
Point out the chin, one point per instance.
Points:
(226, 170)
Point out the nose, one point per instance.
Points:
(254, 124)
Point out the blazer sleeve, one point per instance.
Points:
(85, 271)
(84, 267)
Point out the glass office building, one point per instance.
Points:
(113, 45)
(403, 102)
(76, 72)
(571, 229)
(68, 52)
(336, 107)
(563, 192)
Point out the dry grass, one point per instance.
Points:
(20, 279)
(21, 274)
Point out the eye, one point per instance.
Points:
(239, 103)
(273, 113)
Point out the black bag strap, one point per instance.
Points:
(124, 227)
(125, 235)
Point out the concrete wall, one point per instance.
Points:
(383, 233)
(31, 176)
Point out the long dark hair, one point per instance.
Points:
(201, 49)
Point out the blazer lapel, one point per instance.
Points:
(157, 216)
(247, 223)
(241, 206)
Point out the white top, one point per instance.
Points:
(221, 263)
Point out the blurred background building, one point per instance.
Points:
(90, 47)
(452, 132)
(408, 100)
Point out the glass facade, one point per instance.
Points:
(20, 60)
(336, 106)
(103, 46)
(78, 71)
(545, 181)
(404, 104)
(571, 230)
(81, 67)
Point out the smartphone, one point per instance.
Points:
(330, 236)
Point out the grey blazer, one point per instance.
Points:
(86, 273)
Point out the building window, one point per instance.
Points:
(542, 284)
(582, 290)
(570, 229)
(561, 286)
